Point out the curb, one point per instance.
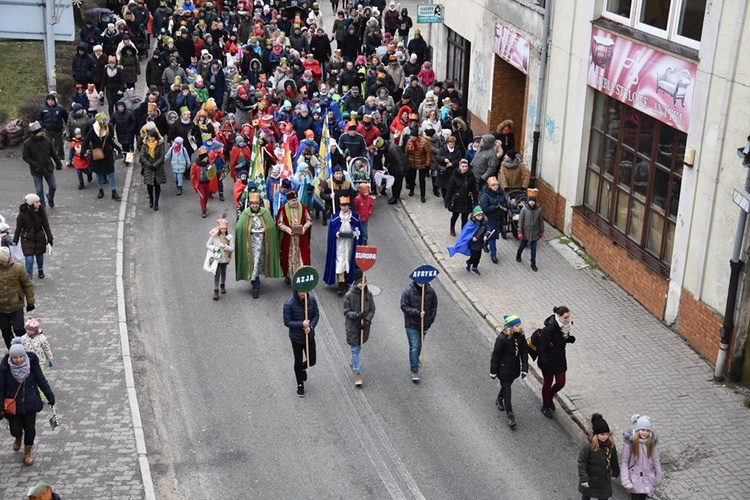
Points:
(564, 401)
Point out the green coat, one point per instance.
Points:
(153, 168)
(15, 285)
(243, 248)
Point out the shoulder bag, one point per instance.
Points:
(98, 153)
(9, 404)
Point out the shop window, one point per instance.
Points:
(634, 175)
(678, 20)
(459, 50)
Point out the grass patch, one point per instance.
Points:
(589, 261)
(22, 73)
(563, 240)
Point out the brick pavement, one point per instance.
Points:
(93, 452)
(625, 361)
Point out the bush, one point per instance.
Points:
(28, 108)
(3, 117)
(66, 87)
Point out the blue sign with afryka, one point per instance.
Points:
(424, 274)
(428, 14)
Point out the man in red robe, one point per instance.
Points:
(294, 223)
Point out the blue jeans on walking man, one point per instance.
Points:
(356, 368)
(51, 187)
(30, 264)
(415, 348)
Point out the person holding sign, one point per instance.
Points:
(359, 310)
(256, 245)
(344, 234)
(419, 304)
(301, 317)
(294, 223)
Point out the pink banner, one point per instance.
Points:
(653, 82)
(512, 47)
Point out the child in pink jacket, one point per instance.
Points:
(426, 76)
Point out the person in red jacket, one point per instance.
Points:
(363, 206)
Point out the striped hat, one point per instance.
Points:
(511, 320)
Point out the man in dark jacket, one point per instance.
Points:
(418, 46)
(301, 333)
(124, 124)
(359, 313)
(15, 285)
(484, 164)
(419, 304)
(320, 46)
(42, 158)
(395, 161)
(53, 117)
(83, 65)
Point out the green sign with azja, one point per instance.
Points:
(305, 279)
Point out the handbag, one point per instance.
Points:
(211, 263)
(9, 404)
(98, 153)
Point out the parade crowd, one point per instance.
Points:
(295, 122)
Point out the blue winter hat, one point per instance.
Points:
(511, 320)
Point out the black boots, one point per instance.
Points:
(101, 194)
(216, 294)
(179, 190)
(116, 196)
(342, 288)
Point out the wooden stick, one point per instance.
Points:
(421, 321)
(362, 309)
(307, 337)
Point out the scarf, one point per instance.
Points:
(565, 327)
(20, 372)
(176, 148)
(512, 164)
(111, 72)
(151, 145)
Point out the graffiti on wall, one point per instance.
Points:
(552, 132)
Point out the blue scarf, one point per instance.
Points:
(20, 372)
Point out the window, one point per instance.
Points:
(678, 20)
(634, 175)
(459, 50)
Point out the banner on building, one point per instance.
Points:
(658, 84)
(428, 14)
(512, 48)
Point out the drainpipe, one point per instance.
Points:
(736, 265)
(540, 92)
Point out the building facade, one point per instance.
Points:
(643, 109)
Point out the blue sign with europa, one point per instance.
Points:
(424, 274)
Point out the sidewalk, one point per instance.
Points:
(93, 452)
(625, 361)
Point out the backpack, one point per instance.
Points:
(533, 343)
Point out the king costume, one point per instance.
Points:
(344, 234)
(294, 222)
(256, 245)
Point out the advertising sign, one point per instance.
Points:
(428, 14)
(658, 84)
(512, 48)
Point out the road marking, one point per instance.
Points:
(367, 426)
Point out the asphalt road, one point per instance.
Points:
(218, 390)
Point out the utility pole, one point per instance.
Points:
(49, 44)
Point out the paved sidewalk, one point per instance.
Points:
(625, 361)
(93, 453)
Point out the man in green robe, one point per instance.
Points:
(256, 245)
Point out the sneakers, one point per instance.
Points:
(475, 270)
(358, 379)
(414, 377)
(511, 420)
(301, 390)
(533, 267)
(518, 258)
(468, 266)
(546, 411)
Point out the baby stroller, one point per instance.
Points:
(359, 170)
(516, 201)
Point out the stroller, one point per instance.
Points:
(516, 201)
(360, 171)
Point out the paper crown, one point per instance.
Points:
(344, 200)
(532, 192)
(251, 197)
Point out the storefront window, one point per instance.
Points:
(655, 13)
(619, 7)
(634, 174)
(459, 50)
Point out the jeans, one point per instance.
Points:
(549, 390)
(415, 348)
(110, 180)
(30, 264)
(505, 393)
(23, 425)
(11, 323)
(299, 362)
(80, 174)
(531, 244)
(39, 187)
(221, 275)
(355, 358)
(492, 245)
(178, 179)
(364, 232)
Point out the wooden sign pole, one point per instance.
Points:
(307, 338)
(362, 310)
(421, 322)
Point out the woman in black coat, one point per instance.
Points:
(509, 361)
(32, 229)
(552, 360)
(447, 160)
(461, 195)
(113, 83)
(21, 378)
(101, 136)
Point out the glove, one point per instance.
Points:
(541, 235)
(571, 339)
(520, 235)
(361, 315)
(523, 375)
(30, 308)
(50, 242)
(627, 486)
(50, 364)
(493, 376)
(585, 485)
